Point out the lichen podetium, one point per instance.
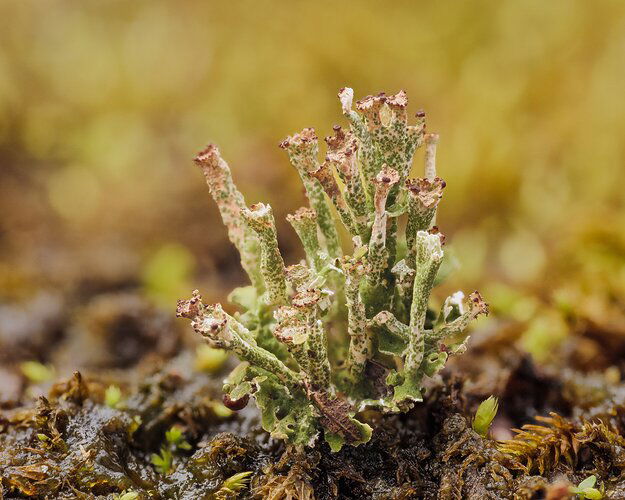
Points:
(339, 332)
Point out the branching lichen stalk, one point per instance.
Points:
(378, 255)
(230, 202)
(423, 198)
(323, 173)
(429, 256)
(342, 155)
(260, 218)
(303, 149)
(318, 363)
(431, 140)
(304, 221)
(360, 344)
(224, 332)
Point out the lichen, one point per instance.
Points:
(344, 330)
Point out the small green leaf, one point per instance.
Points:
(134, 425)
(484, 415)
(335, 441)
(163, 461)
(128, 495)
(586, 489)
(184, 446)
(589, 482)
(593, 494)
(112, 396)
(173, 435)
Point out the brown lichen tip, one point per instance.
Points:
(373, 107)
(301, 214)
(341, 143)
(427, 192)
(190, 309)
(341, 152)
(323, 173)
(284, 334)
(371, 103)
(214, 325)
(258, 215)
(387, 177)
(208, 156)
(398, 101)
(290, 329)
(301, 140)
(346, 96)
(283, 314)
(436, 230)
(306, 298)
(291, 333)
(477, 304)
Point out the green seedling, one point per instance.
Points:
(112, 396)
(163, 461)
(485, 415)
(586, 489)
(175, 438)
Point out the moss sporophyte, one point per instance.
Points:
(328, 337)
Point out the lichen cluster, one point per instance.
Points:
(340, 332)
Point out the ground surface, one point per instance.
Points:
(60, 439)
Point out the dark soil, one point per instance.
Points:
(60, 440)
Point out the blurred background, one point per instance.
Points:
(104, 220)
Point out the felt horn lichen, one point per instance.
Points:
(312, 336)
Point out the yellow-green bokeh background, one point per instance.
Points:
(103, 105)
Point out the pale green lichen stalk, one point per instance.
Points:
(340, 332)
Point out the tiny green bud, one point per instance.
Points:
(163, 461)
(236, 482)
(175, 437)
(112, 396)
(586, 489)
(484, 415)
